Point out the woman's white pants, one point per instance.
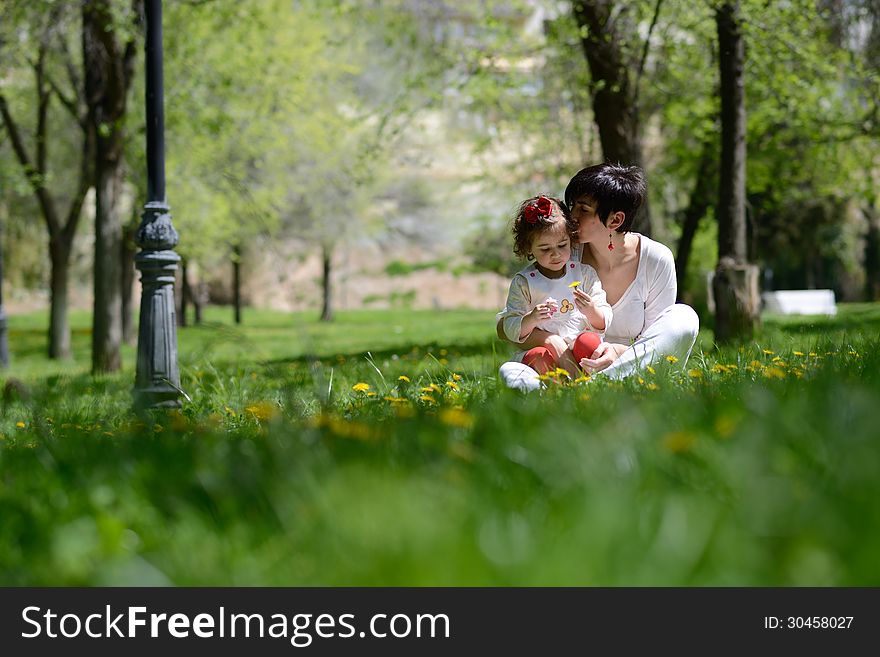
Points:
(672, 334)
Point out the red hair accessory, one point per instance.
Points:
(543, 207)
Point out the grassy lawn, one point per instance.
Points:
(753, 466)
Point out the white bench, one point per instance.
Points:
(800, 302)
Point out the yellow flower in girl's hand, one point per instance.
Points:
(575, 284)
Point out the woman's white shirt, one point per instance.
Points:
(651, 292)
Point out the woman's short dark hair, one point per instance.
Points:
(524, 231)
(613, 188)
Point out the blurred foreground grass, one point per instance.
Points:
(754, 466)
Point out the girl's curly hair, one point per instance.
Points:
(530, 220)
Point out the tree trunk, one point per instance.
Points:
(59, 327)
(700, 202)
(326, 284)
(236, 282)
(735, 286)
(109, 67)
(4, 339)
(129, 248)
(107, 309)
(872, 255)
(615, 96)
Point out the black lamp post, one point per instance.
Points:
(157, 383)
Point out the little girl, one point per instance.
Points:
(542, 313)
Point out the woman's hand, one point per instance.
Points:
(605, 354)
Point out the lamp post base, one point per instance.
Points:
(157, 383)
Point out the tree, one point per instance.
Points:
(616, 70)
(108, 43)
(46, 35)
(737, 304)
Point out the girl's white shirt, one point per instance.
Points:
(530, 287)
(651, 292)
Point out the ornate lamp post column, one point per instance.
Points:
(157, 383)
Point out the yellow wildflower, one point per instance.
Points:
(396, 400)
(695, 374)
(361, 387)
(404, 378)
(20, 425)
(652, 386)
(725, 425)
(452, 385)
(768, 352)
(428, 398)
(679, 441)
(798, 353)
(456, 377)
(261, 411)
(456, 417)
(431, 388)
(672, 359)
(582, 379)
(650, 370)
(641, 381)
(575, 284)
(774, 373)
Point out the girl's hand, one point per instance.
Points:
(582, 300)
(605, 354)
(543, 311)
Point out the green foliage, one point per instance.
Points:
(756, 466)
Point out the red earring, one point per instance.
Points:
(610, 243)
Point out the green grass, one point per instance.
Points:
(279, 473)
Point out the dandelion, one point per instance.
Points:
(853, 353)
(228, 410)
(672, 359)
(652, 387)
(695, 374)
(768, 352)
(261, 411)
(456, 377)
(774, 373)
(650, 370)
(371, 394)
(582, 378)
(452, 385)
(561, 372)
(20, 425)
(679, 441)
(428, 398)
(403, 378)
(431, 388)
(361, 387)
(724, 426)
(641, 381)
(456, 417)
(396, 400)
(813, 354)
(798, 353)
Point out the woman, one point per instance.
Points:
(637, 274)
